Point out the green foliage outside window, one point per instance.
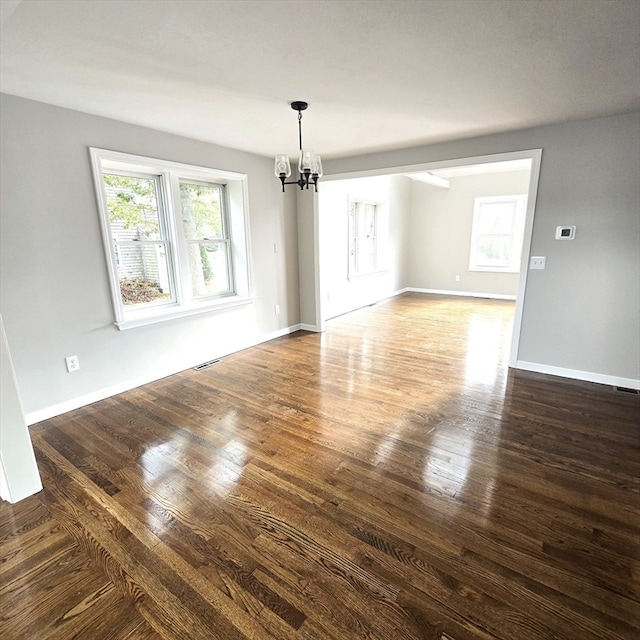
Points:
(133, 202)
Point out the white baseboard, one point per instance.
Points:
(81, 401)
(107, 392)
(588, 376)
(468, 294)
(276, 334)
(309, 327)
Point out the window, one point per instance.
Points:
(497, 233)
(206, 232)
(368, 236)
(174, 235)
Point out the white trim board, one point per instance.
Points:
(310, 327)
(500, 156)
(107, 392)
(467, 294)
(587, 376)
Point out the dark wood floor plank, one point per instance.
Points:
(43, 597)
(17, 520)
(503, 546)
(390, 479)
(88, 620)
(141, 566)
(141, 631)
(51, 544)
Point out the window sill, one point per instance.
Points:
(154, 316)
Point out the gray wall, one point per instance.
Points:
(582, 313)
(308, 258)
(441, 221)
(55, 290)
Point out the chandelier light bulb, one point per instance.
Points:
(306, 161)
(316, 167)
(283, 166)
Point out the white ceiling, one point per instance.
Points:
(378, 74)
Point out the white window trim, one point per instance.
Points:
(379, 267)
(514, 265)
(238, 220)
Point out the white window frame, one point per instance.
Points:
(354, 267)
(170, 174)
(516, 235)
(225, 240)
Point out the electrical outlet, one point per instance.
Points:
(73, 363)
(276, 309)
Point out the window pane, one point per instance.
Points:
(353, 219)
(143, 273)
(202, 211)
(209, 266)
(496, 217)
(364, 250)
(366, 255)
(369, 220)
(133, 207)
(493, 251)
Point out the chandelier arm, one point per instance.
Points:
(302, 182)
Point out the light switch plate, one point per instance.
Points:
(537, 262)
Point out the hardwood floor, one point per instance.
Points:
(389, 479)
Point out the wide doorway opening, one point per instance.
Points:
(458, 228)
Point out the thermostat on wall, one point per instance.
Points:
(565, 233)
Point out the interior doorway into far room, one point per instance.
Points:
(395, 221)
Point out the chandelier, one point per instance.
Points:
(309, 164)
